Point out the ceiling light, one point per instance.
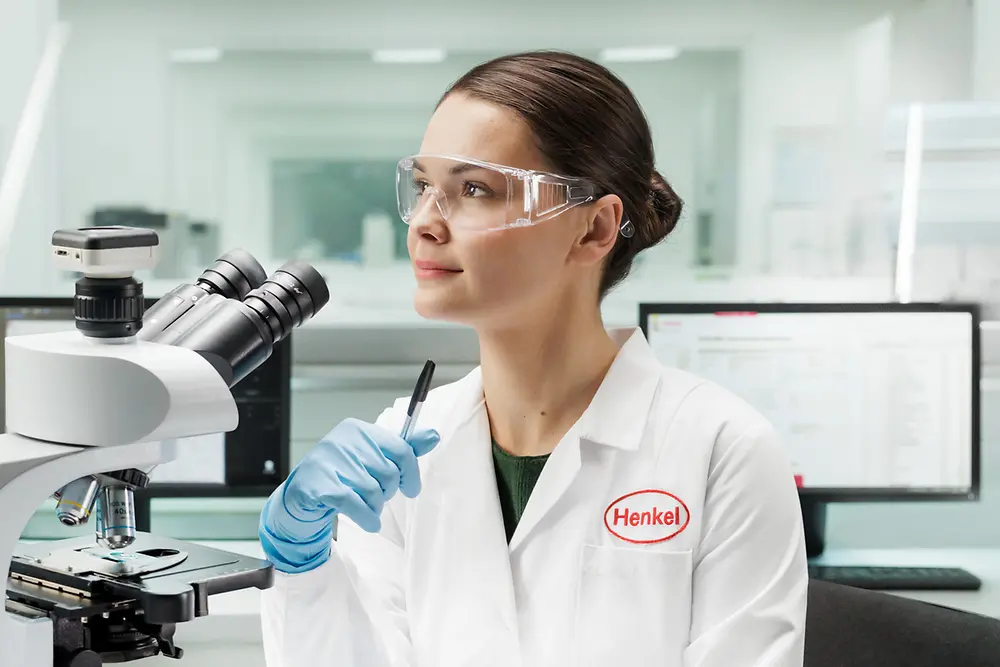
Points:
(639, 54)
(408, 56)
(205, 55)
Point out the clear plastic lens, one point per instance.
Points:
(476, 195)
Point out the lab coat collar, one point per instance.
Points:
(618, 412)
(616, 416)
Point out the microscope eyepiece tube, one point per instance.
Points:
(237, 337)
(116, 517)
(76, 501)
(232, 276)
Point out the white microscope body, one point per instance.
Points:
(115, 403)
(81, 405)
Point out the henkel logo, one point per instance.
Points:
(647, 517)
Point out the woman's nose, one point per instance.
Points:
(431, 221)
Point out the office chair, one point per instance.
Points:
(851, 627)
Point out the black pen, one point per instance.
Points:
(417, 400)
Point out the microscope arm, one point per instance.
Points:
(29, 470)
(119, 406)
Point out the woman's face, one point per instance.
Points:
(502, 277)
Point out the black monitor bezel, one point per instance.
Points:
(192, 489)
(856, 494)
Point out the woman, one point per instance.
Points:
(580, 504)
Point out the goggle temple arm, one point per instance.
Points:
(586, 192)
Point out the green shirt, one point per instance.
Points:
(516, 477)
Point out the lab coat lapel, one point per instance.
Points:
(470, 559)
(616, 418)
(557, 475)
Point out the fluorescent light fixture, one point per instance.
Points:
(409, 56)
(906, 245)
(203, 55)
(639, 54)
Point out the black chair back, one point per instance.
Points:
(850, 627)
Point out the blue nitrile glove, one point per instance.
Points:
(353, 471)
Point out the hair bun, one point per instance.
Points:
(665, 209)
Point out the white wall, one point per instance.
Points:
(932, 53)
(24, 27)
(986, 56)
(113, 130)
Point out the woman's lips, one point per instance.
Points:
(426, 269)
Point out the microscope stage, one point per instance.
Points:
(168, 580)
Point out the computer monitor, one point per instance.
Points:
(873, 401)
(249, 461)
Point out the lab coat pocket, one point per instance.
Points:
(633, 606)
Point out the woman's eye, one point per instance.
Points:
(475, 190)
(419, 186)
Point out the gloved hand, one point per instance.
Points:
(353, 471)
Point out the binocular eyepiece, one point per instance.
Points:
(234, 321)
(232, 315)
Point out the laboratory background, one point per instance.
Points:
(827, 152)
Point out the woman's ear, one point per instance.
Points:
(603, 220)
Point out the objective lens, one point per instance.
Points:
(116, 517)
(232, 276)
(236, 337)
(76, 501)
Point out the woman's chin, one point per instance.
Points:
(434, 304)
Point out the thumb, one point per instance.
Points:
(423, 440)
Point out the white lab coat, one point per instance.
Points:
(439, 586)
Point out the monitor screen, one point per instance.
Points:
(870, 400)
(253, 459)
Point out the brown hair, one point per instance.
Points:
(587, 123)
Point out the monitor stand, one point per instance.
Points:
(814, 522)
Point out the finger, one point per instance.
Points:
(368, 472)
(382, 468)
(351, 485)
(366, 486)
(400, 453)
(420, 443)
(403, 454)
(423, 440)
(353, 506)
(409, 471)
(295, 501)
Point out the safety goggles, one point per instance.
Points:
(482, 196)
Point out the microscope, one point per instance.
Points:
(91, 412)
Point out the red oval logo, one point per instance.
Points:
(647, 517)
